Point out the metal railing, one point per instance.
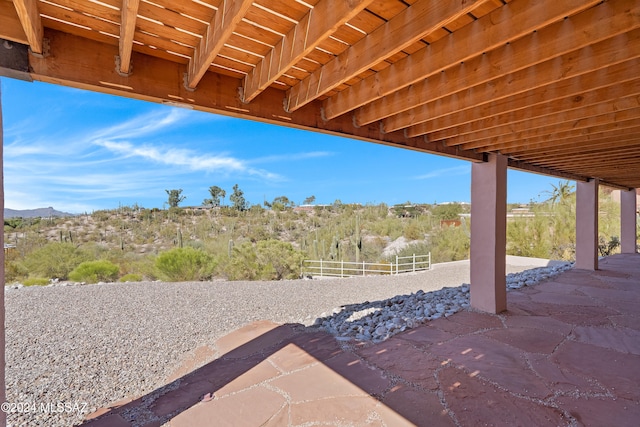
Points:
(404, 264)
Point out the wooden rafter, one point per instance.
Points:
(621, 139)
(571, 145)
(615, 157)
(592, 150)
(570, 65)
(469, 41)
(598, 126)
(568, 122)
(528, 167)
(591, 26)
(227, 17)
(411, 25)
(30, 18)
(572, 89)
(321, 21)
(128, 19)
(620, 94)
(10, 25)
(598, 131)
(501, 136)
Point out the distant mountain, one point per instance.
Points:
(34, 213)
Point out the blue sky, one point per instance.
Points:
(80, 151)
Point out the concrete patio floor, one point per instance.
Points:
(567, 352)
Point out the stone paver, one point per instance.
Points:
(565, 353)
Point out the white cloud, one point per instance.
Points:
(291, 157)
(440, 173)
(143, 125)
(188, 159)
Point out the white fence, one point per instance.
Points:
(404, 264)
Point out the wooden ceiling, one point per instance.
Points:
(554, 85)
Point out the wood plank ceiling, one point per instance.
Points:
(553, 85)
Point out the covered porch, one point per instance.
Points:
(548, 87)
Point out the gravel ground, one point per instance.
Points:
(88, 346)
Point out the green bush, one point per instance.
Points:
(267, 260)
(185, 264)
(131, 277)
(95, 271)
(55, 260)
(35, 281)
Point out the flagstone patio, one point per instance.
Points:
(567, 352)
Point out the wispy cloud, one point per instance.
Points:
(187, 159)
(439, 173)
(143, 125)
(291, 157)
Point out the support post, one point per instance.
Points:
(628, 208)
(489, 234)
(587, 225)
(3, 390)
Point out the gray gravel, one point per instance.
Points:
(88, 346)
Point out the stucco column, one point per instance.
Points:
(628, 206)
(587, 225)
(489, 234)
(3, 391)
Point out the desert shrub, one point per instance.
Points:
(266, 260)
(447, 212)
(185, 264)
(35, 281)
(131, 277)
(55, 260)
(529, 237)
(95, 271)
(413, 231)
(450, 244)
(13, 268)
(145, 267)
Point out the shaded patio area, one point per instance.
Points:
(567, 352)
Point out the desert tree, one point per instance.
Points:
(175, 197)
(560, 193)
(237, 199)
(217, 195)
(280, 203)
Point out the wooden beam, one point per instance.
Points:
(129, 15)
(540, 122)
(527, 167)
(573, 90)
(158, 80)
(227, 17)
(629, 122)
(575, 144)
(30, 18)
(10, 25)
(503, 25)
(603, 21)
(596, 157)
(519, 138)
(588, 59)
(600, 101)
(615, 159)
(323, 20)
(405, 29)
